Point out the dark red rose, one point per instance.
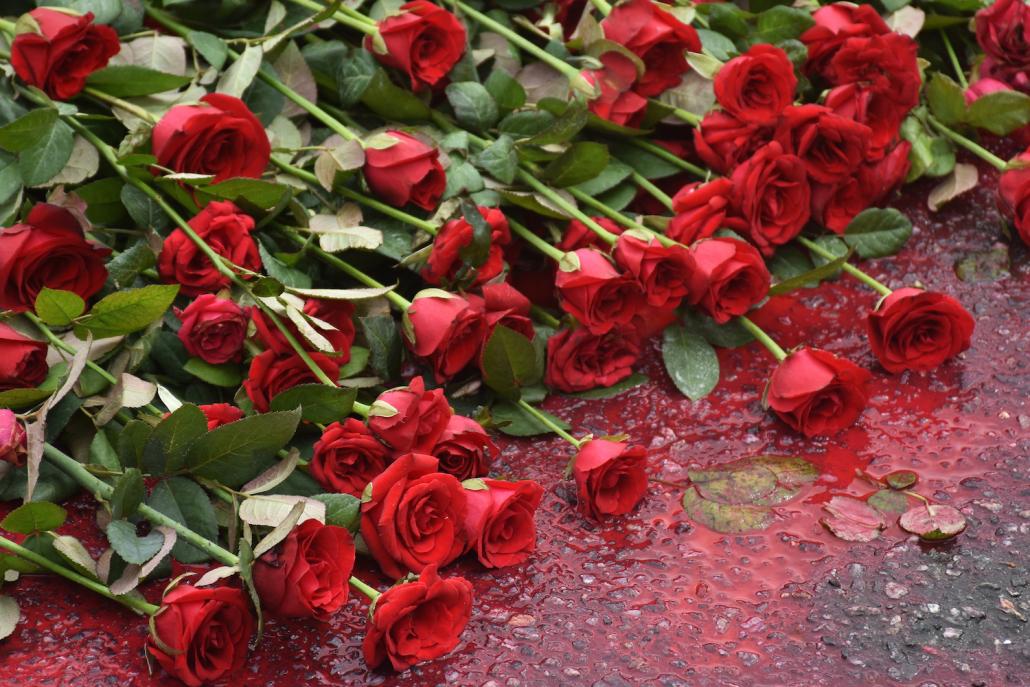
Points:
(578, 360)
(648, 320)
(817, 393)
(422, 40)
(656, 37)
(756, 86)
(1003, 31)
(48, 250)
(13, 439)
(878, 111)
(722, 141)
(772, 197)
(1014, 195)
(701, 209)
(983, 87)
(578, 235)
(568, 13)
(410, 418)
(272, 373)
(595, 293)
(306, 576)
(835, 205)
(611, 477)
(504, 304)
(729, 278)
(413, 516)
(914, 329)
(209, 629)
(617, 102)
(219, 414)
(884, 64)
(663, 272)
(347, 457)
(500, 520)
(213, 329)
(22, 360)
(834, 24)
(464, 449)
(337, 314)
(66, 50)
(226, 229)
(418, 620)
(831, 146)
(445, 263)
(408, 171)
(444, 329)
(220, 136)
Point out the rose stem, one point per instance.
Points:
(544, 317)
(763, 338)
(136, 604)
(134, 110)
(550, 424)
(956, 65)
(532, 239)
(969, 145)
(657, 193)
(602, 6)
(858, 274)
(344, 15)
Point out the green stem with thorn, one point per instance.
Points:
(969, 145)
(869, 281)
(550, 424)
(763, 338)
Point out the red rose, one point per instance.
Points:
(878, 111)
(578, 360)
(885, 64)
(595, 293)
(22, 360)
(914, 329)
(225, 228)
(772, 196)
(578, 235)
(220, 136)
(445, 329)
(663, 272)
(410, 418)
(617, 102)
(1014, 195)
(445, 263)
(272, 373)
(503, 304)
(722, 141)
(611, 477)
(409, 171)
(413, 516)
(347, 457)
(213, 329)
(209, 629)
(12, 439)
(422, 40)
(500, 521)
(700, 209)
(1003, 31)
(306, 576)
(219, 414)
(337, 314)
(834, 24)
(418, 620)
(983, 87)
(729, 278)
(63, 53)
(465, 449)
(756, 86)
(832, 147)
(817, 393)
(48, 250)
(835, 205)
(648, 320)
(656, 37)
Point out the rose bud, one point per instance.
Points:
(418, 620)
(578, 235)
(1003, 31)
(1014, 194)
(722, 141)
(220, 136)
(504, 304)
(347, 457)
(729, 278)
(772, 196)
(500, 520)
(12, 438)
(201, 635)
(594, 292)
(617, 103)
(984, 87)
(422, 40)
(410, 418)
(756, 86)
(413, 516)
(834, 24)
(885, 64)
(655, 36)
(213, 329)
(578, 360)
(611, 477)
(914, 329)
(337, 315)
(306, 576)
(272, 373)
(832, 147)
(22, 360)
(226, 229)
(64, 50)
(817, 393)
(700, 209)
(219, 414)
(464, 449)
(408, 171)
(445, 263)
(663, 272)
(444, 329)
(48, 250)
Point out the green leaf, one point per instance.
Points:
(564, 128)
(143, 210)
(227, 375)
(185, 502)
(384, 343)
(41, 161)
(511, 419)
(233, 454)
(1001, 112)
(901, 479)
(211, 47)
(499, 159)
(102, 453)
(724, 517)
(889, 502)
(131, 81)
(167, 445)
(526, 123)
(646, 163)
(124, 312)
(28, 129)
(946, 100)
(634, 380)
(128, 494)
(122, 536)
(391, 102)
(58, 308)
(727, 19)
(781, 23)
(258, 192)
(359, 356)
(614, 173)
(318, 402)
(878, 232)
(810, 278)
(581, 162)
(131, 442)
(509, 362)
(506, 91)
(473, 105)
(342, 510)
(20, 398)
(123, 268)
(354, 75)
(36, 516)
(690, 361)
(279, 272)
